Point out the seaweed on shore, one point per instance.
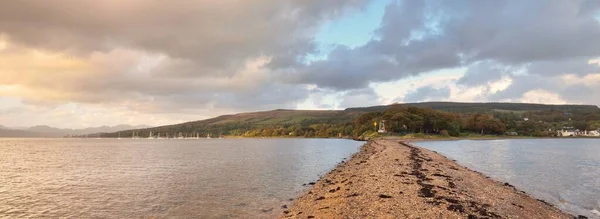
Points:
(427, 190)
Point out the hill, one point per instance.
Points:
(238, 124)
(483, 107)
(330, 123)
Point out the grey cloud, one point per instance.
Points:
(317, 96)
(267, 97)
(212, 34)
(523, 84)
(205, 44)
(360, 97)
(577, 66)
(483, 72)
(573, 93)
(421, 36)
(427, 93)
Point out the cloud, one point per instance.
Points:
(359, 98)
(482, 73)
(427, 93)
(421, 36)
(213, 57)
(159, 56)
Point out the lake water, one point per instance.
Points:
(564, 172)
(127, 178)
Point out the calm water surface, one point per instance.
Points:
(564, 172)
(126, 178)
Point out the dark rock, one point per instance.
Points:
(320, 198)
(352, 195)
(581, 217)
(426, 191)
(520, 206)
(267, 210)
(440, 175)
(457, 208)
(284, 206)
(546, 203)
(451, 185)
(451, 200)
(286, 212)
(384, 196)
(311, 183)
(310, 216)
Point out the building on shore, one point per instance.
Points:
(577, 132)
(382, 127)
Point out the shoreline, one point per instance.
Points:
(391, 178)
(400, 138)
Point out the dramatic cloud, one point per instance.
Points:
(496, 37)
(185, 53)
(191, 59)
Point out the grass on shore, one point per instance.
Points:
(415, 136)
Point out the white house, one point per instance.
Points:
(566, 132)
(577, 132)
(594, 133)
(382, 127)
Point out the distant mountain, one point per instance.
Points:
(92, 130)
(48, 131)
(11, 133)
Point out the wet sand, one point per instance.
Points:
(391, 178)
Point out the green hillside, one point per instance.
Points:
(282, 121)
(528, 119)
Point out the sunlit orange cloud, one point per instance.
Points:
(38, 74)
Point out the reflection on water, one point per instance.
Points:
(565, 172)
(110, 178)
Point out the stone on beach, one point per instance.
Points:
(394, 179)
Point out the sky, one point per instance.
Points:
(75, 64)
